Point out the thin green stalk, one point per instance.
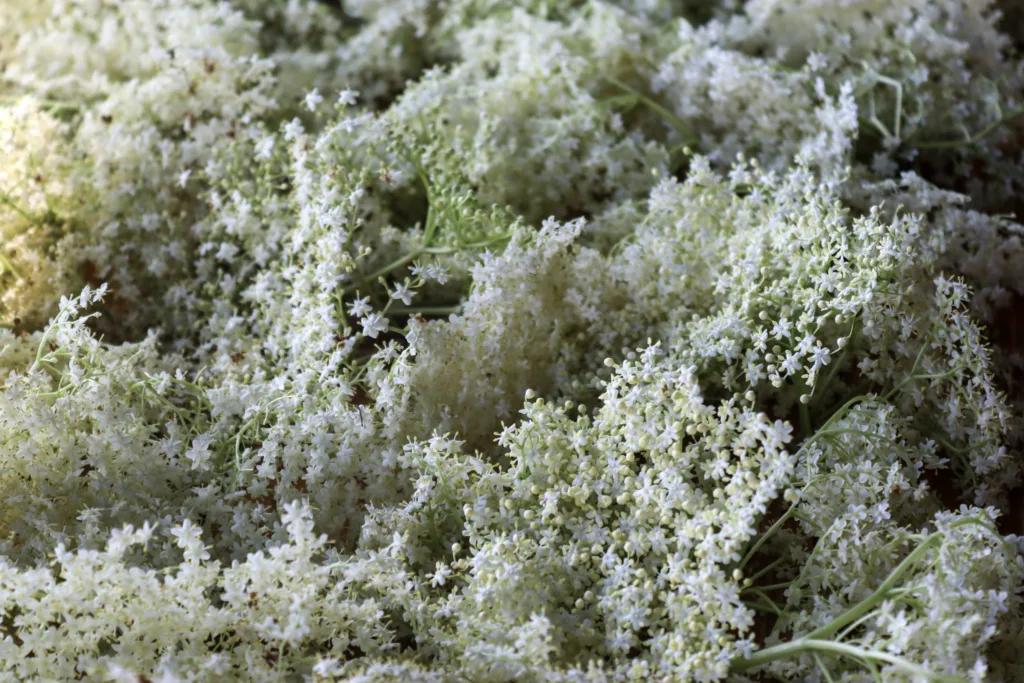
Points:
(837, 363)
(881, 593)
(884, 591)
(761, 607)
(765, 570)
(913, 369)
(823, 668)
(42, 346)
(970, 138)
(6, 199)
(766, 535)
(853, 627)
(838, 414)
(806, 428)
(9, 267)
(774, 607)
(425, 310)
(861, 433)
(810, 646)
(783, 584)
(395, 265)
(677, 123)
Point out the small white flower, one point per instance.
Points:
(327, 668)
(782, 329)
(346, 98)
(293, 129)
(778, 434)
(183, 177)
(265, 147)
(374, 324)
(200, 455)
(360, 307)
(189, 539)
(440, 576)
(820, 356)
(313, 99)
(435, 272)
(227, 252)
(791, 363)
(403, 293)
(816, 61)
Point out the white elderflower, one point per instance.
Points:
(817, 61)
(360, 307)
(293, 130)
(403, 293)
(313, 99)
(373, 324)
(265, 147)
(199, 455)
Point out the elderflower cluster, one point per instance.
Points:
(589, 340)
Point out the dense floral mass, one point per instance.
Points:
(477, 340)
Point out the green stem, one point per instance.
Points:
(765, 570)
(880, 594)
(41, 349)
(6, 199)
(395, 265)
(837, 363)
(768, 601)
(6, 264)
(425, 310)
(861, 433)
(785, 584)
(766, 535)
(823, 669)
(810, 645)
(805, 419)
(677, 123)
(853, 627)
(884, 591)
(837, 415)
(761, 607)
(970, 138)
(935, 375)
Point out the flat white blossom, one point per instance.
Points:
(313, 99)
